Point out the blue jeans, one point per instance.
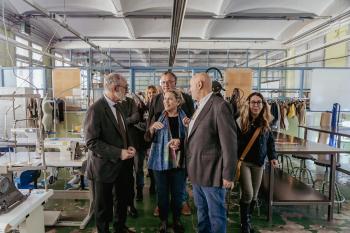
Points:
(169, 182)
(211, 211)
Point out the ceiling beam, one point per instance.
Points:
(119, 13)
(191, 15)
(60, 21)
(177, 18)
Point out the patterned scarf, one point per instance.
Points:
(161, 156)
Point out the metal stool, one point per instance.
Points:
(285, 159)
(302, 171)
(339, 197)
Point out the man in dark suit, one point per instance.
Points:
(168, 82)
(110, 155)
(211, 150)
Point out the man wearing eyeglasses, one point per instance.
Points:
(168, 82)
(111, 155)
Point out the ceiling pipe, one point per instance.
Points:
(177, 18)
(17, 44)
(326, 45)
(318, 28)
(194, 16)
(60, 21)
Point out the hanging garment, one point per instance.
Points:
(47, 114)
(60, 109)
(274, 112)
(291, 110)
(32, 112)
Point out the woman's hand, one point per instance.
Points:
(186, 121)
(156, 126)
(174, 144)
(274, 163)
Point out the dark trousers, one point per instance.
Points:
(169, 182)
(103, 199)
(138, 163)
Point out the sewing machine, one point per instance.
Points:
(10, 197)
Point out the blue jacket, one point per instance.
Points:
(265, 144)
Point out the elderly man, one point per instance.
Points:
(110, 155)
(211, 151)
(168, 82)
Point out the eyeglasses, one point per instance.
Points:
(125, 87)
(259, 103)
(166, 82)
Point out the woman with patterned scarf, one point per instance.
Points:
(167, 159)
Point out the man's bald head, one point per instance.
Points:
(200, 85)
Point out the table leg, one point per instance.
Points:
(270, 199)
(331, 187)
(34, 223)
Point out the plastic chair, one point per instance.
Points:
(28, 179)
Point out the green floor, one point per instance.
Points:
(288, 219)
(285, 219)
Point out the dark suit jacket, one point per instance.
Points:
(211, 146)
(105, 143)
(157, 106)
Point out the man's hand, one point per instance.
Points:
(227, 184)
(128, 154)
(186, 121)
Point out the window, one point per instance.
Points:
(37, 56)
(67, 64)
(58, 62)
(22, 74)
(21, 51)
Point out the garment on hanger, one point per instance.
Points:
(32, 112)
(60, 109)
(47, 114)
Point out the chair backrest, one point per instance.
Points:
(28, 177)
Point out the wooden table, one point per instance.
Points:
(290, 191)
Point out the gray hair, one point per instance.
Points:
(112, 79)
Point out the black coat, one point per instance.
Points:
(105, 144)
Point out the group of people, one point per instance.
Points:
(187, 136)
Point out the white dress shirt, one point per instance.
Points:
(114, 110)
(200, 107)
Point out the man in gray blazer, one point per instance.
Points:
(111, 155)
(211, 150)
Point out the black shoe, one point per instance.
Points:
(178, 227)
(125, 229)
(245, 217)
(163, 227)
(132, 211)
(139, 194)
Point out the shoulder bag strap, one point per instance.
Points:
(250, 143)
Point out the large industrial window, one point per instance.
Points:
(58, 62)
(21, 51)
(37, 56)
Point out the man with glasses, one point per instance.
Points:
(168, 82)
(111, 155)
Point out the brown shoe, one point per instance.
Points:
(186, 210)
(156, 212)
